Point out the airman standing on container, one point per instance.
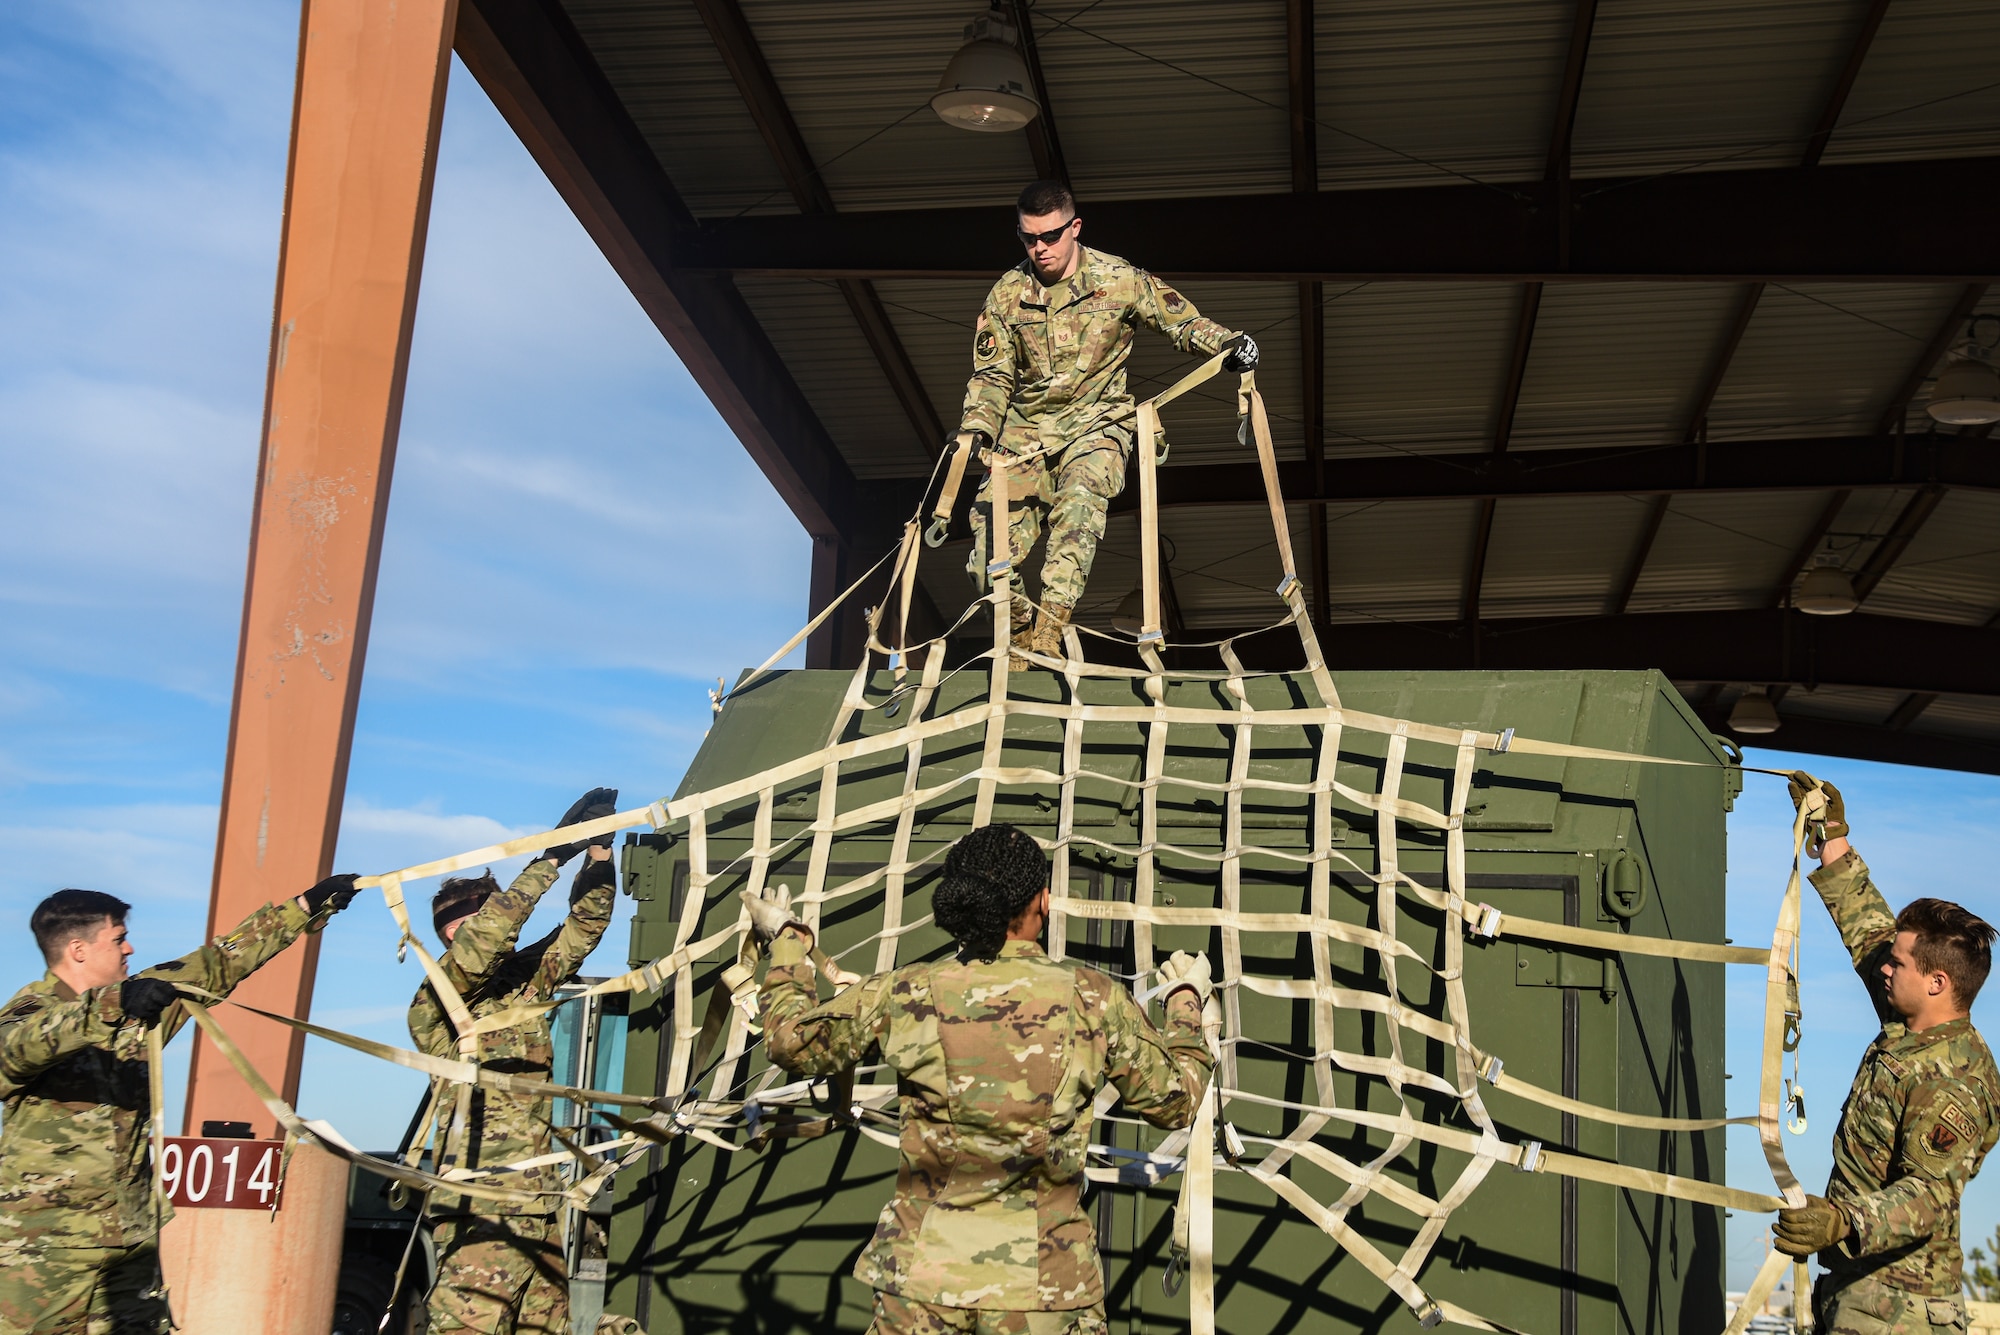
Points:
(999, 1052)
(1920, 1117)
(79, 1240)
(1048, 379)
(500, 1265)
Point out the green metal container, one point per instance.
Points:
(764, 1240)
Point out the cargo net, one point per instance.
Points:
(735, 1118)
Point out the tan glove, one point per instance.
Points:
(771, 913)
(1812, 1227)
(1832, 819)
(1185, 970)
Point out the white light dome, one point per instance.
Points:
(1826, 591)
(1754, 714)
(987, 86)
(1967, 391)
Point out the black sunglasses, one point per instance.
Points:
(1048, 238)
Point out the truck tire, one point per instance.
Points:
(366, 1288)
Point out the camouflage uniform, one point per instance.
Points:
(500, 1266)
(1917, 1123)
(78, 1238)
(997, 1064)
(1049, 370)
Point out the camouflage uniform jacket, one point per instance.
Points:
(491, 976)
(1054, 376)
(1917, 1123)
(997, 1064)
(75, 1155)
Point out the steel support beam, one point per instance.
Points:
(530, 61)
(1916, 221)
(1300, 60)
(370, 97)
(1897, 540)
(1861, 741)
(1044, 145)
(740, 52)
(1503, 433)
(1774, 647)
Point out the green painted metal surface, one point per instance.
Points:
(763, 1240)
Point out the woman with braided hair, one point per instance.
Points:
(999, 1053)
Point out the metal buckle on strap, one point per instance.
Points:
(1489, 1070)
(1531, 1158)
(1488, 925)
(999, 567)
(1432, 1315)
(1286, 585)
(1506, 740)
(1152, 637)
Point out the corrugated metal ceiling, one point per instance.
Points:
(1188, 97)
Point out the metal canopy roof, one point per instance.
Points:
(1588, 324)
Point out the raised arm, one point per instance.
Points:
(1159, 1076)
(477, 948)
(994, 373)
(591, 899)
(805, 1037)
(226, 961)
(1867, 926)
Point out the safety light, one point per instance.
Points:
(1754, 714)
(1967, 392)
(987, 86)
(1826, 591)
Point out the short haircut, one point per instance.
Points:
(1951, 941)
(70, 915)
(1045, 197)
(989, 877)
(460, 896)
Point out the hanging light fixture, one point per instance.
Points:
(1826, 591)
(1967, 392)
(1130, 616)
(986, 87)
(1754, 714)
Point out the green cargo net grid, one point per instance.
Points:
(731, 1008)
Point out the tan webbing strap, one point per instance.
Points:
(1000, 574)
(947, 499)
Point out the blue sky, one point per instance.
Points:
(576, 545)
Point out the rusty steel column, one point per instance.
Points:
(369, 100)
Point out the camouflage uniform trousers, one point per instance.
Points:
(500, 1276)
(81, 1290)
(896, 1315)
(1072, 499)
(1869, 1307)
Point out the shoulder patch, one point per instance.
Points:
(1940, 1140)
(1172, 300)
(1953, 1116)
(21, 1008)
(985, 346)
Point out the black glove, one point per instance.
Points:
(1242, 355)
(593, 875)
(143, 999)
(337, 890)
(593, 805)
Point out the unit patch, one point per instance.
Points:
(1940, 1140)
(984, 345)
(1171, 299)
(1954, 1117)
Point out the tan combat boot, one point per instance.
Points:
(1022, 623)
(1049, 628)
